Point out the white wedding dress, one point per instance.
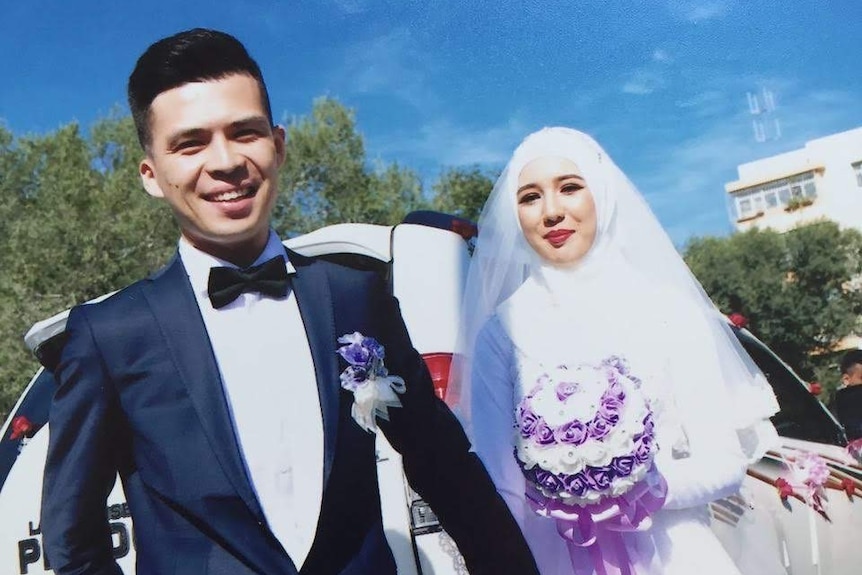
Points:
(698, 461)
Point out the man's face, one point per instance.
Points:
(214, 158)
(854, 376)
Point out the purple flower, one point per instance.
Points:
(623, 465)
(356, 355)
(649, 424)
(353, 378)
(576, 484)
(599, 478)
(374, 348)
(617, 363)
(598, 427)
(543, 434)
(566, 389)
(548, 480)
(527, 420)
(616, 391)
(610, 409)
(644, 448)
(573, 433)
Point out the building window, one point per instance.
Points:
(780, 193)
(857, 167)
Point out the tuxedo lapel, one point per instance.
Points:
(311, 289)
(173, 304)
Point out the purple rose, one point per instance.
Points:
(576, 484)
(573, 433)
(644, 448)
(543, 433)
(610, 409)
(616, 391)
(374, 348)
(599, 478)
(549, 481)
(566, 389)
(649, 423)
(527, 421)
(353, 377)
(356, 355)
(623, 465)
(598, 427)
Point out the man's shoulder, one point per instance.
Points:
(339, 270)
(123, 301)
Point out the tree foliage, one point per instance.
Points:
(797, 289)
(326, 178)
(75, 225)
(462, 191)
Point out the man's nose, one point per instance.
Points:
(223, 157)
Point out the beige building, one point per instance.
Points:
(821, 180)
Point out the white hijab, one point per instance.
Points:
(631, 281)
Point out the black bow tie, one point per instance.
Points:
(226, 284)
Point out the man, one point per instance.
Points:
(220, 406)
(847, 403)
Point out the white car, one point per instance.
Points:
(425, 261)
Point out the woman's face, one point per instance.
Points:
(556, 210)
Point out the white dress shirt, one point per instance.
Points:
(263, 356)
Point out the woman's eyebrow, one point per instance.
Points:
(570, 177)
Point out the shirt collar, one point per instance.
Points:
(198, 263)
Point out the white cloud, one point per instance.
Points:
(660, 55)
(389, 65)
(445, 143)
(643, 82)
(696, 11)
(350, 7)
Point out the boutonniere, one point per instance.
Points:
(374, 390)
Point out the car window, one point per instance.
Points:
(802, 416)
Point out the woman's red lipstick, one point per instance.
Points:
(558, 237)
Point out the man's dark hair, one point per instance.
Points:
(191, 56)
(851, 358)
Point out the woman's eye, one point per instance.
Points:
(528, 198)
(570, 188)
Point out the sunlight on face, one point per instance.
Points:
(556, 210)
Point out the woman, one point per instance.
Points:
(604, 392)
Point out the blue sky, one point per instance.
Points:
(660, 83)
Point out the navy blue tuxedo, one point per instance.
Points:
(140, 394)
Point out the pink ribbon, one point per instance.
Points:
(598, 527)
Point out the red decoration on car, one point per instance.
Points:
(21, 428)
(738, 320)
(848, 486)
(785, 490)
(815, 388)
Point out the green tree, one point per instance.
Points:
(795, 288)
(326, 178)
(462, 192)
(81, 226)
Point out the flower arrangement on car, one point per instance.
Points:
(585, 442)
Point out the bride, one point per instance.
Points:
(603, 391)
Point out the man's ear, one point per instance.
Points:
(147, 171)
(280, 149)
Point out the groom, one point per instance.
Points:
(213, 388)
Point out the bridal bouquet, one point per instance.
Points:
(586, 443)
(585, 433)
